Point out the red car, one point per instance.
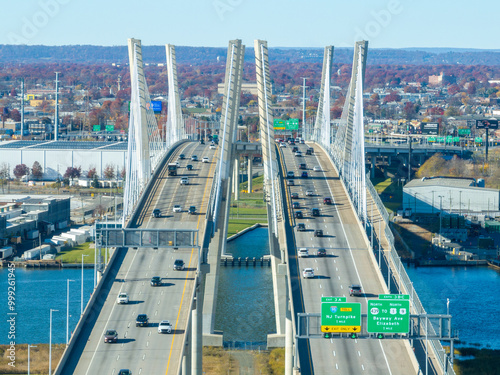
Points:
(327, 200)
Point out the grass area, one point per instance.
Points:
(390, 192)
(39, 358)
(74, 255)
(257, 185)
(218, 361)
(485, 361)
(237, 225)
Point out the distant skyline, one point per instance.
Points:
(290, 23)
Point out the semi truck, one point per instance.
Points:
(172, 169)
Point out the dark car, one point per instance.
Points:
(302, 166)
(294, 195)
(327, 200)
(321, 253)
(189, 167)
(295, 149)
(355, 290)
(125, 372)
(156, 212)
(296, 205)
(290, 182)
(156, 281)
(310, 151)
(315, 211)
(192, 210)
(299, 215)
(142, 320)
(318, 233)
(111, 336)
(301, 227)
(304, 174)
(182, 156)
(178, 264)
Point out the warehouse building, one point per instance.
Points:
(463, 196)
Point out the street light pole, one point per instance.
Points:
(440, 217)
(81, 303)
(29, 346)
(67, 309)
(50, 342)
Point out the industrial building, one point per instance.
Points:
(463, 196)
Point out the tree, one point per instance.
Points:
(4, 175)
(109, 172)
(72, 173)
(95, 182)
(21, 170)
(91, 173)
(36, 170)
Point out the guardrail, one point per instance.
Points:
(394, 264)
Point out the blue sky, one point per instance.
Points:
(283, 23)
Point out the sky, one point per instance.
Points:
(283, 23)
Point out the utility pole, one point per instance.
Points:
(56, 115)
(304, 106)
(22, 108)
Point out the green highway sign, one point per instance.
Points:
(96, 128)
(431, 139)
(333, 299)
(388, 316)
(279, 124)
(478, 140)
(464, 131)
(110, 128)
(340, 317)
(394, 296)
(292, 124)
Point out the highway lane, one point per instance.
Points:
(142, 349)
(347, 262)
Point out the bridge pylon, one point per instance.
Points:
(322, 128)
(175, 129)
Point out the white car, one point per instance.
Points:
(205, 160)
(184, 181)
(177, 208)
(303, 252)
(122, 298)
(309, 193)
(298, 153)
(212, 147)
(283, 144)
(164, 327)
(308, 273)
(317, 168)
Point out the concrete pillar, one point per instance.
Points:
(372, 170)
(236, 179)
(250, 174)
(196, 342)
(288, 345)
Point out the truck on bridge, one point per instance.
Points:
(172, 169)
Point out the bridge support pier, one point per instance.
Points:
(236, 180)
(196, 341)
(250, 174)
(289, 345)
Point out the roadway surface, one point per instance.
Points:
(347, 262)
(142, 349)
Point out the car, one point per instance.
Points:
(318, 233)
(304, 175)
(202, 142)
(303, 252)
(355, 290)
(302, 142)
(298, 153)
(194, 158)
(309, 193)
(184, 181)
(122, 298)
(315, 211)
(299, 215)
(177, 208)
(142, 320)
(290, 174)
(321, 253)
(296, 205)
(164, 327)
(295, 149)
(317, 168)
(156, 212)
(182, 156)
(192, 210)
(125, 371)
(310, 151)
(155, 281)
(205, 160)
(302, 166)
(308, 273)
(290, 182)
(327, 200)
(294, 195)
(283, 144)
(301, 227)
(178, 265)
(212, 147)
(110, 336)
(189, 167)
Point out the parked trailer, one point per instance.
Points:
(6, 252)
